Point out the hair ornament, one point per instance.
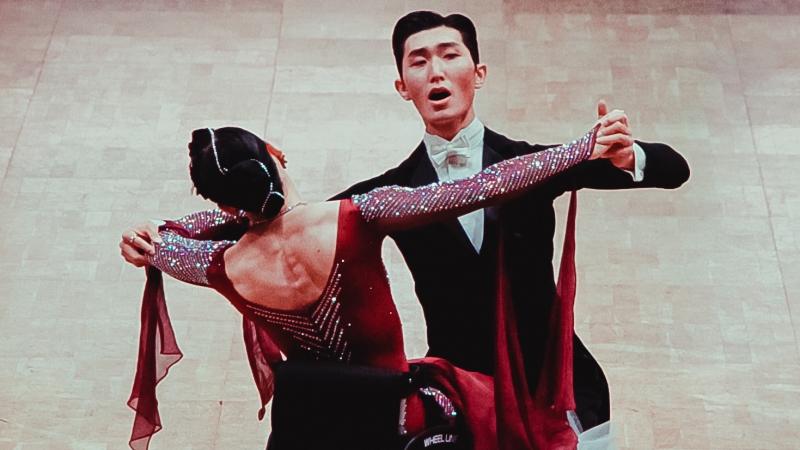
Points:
(277, 154)
(222, 170)
(270, 192)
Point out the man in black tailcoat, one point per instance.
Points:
(453, 262)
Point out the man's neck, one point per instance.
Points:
(450, 129)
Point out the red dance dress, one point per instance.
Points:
(355, 319)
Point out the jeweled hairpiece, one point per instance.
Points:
(271, 192)
(222, 170)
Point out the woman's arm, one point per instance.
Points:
(186, 259)
(392, 207)
(212, 224)
(139, 241)
(190, 244)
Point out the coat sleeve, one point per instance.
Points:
(665, 168)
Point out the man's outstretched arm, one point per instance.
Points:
(652, 165)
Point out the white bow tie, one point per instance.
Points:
(454, 153)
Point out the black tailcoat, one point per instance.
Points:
(456, 285)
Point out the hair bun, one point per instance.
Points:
(201, 138)
(236, 171)
(252, 180)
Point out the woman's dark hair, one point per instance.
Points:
(236, 170)
(417, 21)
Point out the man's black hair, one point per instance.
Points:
(417, 21)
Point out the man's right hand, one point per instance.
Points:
(137, 242)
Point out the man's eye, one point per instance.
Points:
(451, 55)
(417, 63)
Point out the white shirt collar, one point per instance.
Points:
(473, 133)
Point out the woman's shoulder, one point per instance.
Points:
(303, 223)
(323, 210)
(338, 212)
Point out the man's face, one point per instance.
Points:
(440, 77)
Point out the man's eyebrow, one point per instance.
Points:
(425, 50)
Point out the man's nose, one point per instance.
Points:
(437, 69)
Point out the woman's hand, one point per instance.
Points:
(614, 139)
(137, 242)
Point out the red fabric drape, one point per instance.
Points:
(158, 351)
(261, 351)
(537, 422)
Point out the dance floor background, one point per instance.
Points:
(690, 299)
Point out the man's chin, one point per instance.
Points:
(445, 124)
(442, 116)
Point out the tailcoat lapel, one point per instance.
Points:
(490, 213)
(423, 172)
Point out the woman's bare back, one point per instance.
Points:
(285, 264)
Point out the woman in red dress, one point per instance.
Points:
(310, 283)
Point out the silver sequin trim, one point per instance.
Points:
(187, 259)
(440, 399)
(401, 426)
(322, 332)
(207, 220)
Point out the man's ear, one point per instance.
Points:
(400, 87)
(480, 75)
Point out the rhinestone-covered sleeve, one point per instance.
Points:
(208, 224)
(191, 243)
(394, 207)
(186, 259)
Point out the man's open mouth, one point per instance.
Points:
(437, 94)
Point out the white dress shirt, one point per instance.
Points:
(456, 168)
(462, 157)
